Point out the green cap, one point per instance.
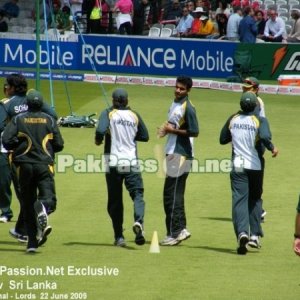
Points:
(34, 100)
(248, 101)
(119, 93)
(250, 82)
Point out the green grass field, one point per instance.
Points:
(203, 267)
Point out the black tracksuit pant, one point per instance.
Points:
(174, 188)
(134, 185)
(34, 179)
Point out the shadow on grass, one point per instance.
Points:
(13, 250)
(222, 250)
(218, 219)
(13, 243)
(103, 245)
(228, 251)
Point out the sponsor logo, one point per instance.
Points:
(278, 57)
(293, 63)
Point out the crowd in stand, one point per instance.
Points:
(247, 21)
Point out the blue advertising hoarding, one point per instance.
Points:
(163, 57)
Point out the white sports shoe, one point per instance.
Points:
(139, 233)
(169, 241)
(183, 235)
(242, 243)
(254, 242)
(41, 215)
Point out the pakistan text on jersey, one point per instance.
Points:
(35, 120)
(125, 123)
(244, 126)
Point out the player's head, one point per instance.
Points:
(250, 84)
(119, 98)
(183, 86)
(248, 102)
(34, 100)
(16, 84)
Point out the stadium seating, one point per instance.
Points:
(154, 32)
(166, 32)
(288, 28)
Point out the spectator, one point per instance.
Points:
(75, 6)
(207, 27)
(222, 21)
(191, 7)
(205, 4)
(67, 20)
(124, 8)
(247, 26)
(294, 35)
(92, 26)
(223, 8)
(196, 24)
(172, 12)
(11, 9)
(260, 23)
(104, 24)
(43, 10)
(233, 24)
(256, 6)
(3, 23)
(185, 23)
(56, 20)
(139, 7)
(275, 28)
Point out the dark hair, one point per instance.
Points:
(247, 10)
(259, 12)
(185, 80)
(120, 102)
(236, 9)
(19, 82)
(66, 9)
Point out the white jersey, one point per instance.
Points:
(182, 115)
(123, 129)
(244, 132)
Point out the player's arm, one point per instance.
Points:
(225, 135)
(142, 133)
(10, 135)
(191, 122)
(102, 127)
(57, 142)
(46, 108)
(3, 117)
(297, 231)
(265, 136)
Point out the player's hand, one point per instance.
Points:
(161, 130)
(297, 247)
(275, 152)
(169, 128)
